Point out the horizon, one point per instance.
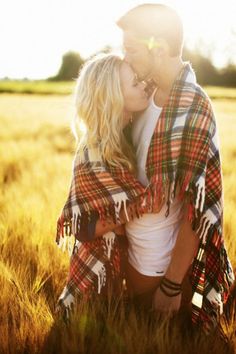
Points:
(42, 32)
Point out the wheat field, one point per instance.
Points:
(36, 154)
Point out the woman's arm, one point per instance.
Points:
(93, 227)
(108, 225)
(97, 227)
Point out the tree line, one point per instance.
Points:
(207, 73)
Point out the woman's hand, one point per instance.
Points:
(165, 304)
(120, 230)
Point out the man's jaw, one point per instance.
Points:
(144, 76)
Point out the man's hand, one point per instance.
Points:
(165, 304)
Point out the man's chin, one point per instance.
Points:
(144, 76)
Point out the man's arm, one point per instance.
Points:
(183, 253)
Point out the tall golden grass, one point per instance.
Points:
(36, 154)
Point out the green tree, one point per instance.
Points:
(206, 73)
(71, 63)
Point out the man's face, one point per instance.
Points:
(137, 55)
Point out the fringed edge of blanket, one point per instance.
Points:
(184, 188)
(206, 307)
(208, 298)
(69, 225)
(210, 294)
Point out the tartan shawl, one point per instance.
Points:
(96, 267)
(183, 161)
(95, 186)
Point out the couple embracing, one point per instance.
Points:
(145, 201)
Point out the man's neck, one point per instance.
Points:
(165, 78)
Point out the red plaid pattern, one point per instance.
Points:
(96, 267)
(184, 157)
(91, 265)
(97, 187)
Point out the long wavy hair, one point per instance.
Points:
(100, 111)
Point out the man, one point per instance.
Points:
(178, 157)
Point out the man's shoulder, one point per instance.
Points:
(201, 93)
(200, 109)
(189, 86)
(194, 95)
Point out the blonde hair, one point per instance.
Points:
(100, 110)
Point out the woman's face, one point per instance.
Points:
(135, 97)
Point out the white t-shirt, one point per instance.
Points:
(152, 236)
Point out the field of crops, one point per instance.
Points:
(38, 87)
(36, 154)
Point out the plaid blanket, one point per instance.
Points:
(96, 267)
(97, 187)
(183, 161)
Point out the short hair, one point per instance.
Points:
(155, 20)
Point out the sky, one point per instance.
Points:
(34, 34)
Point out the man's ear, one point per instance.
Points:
(160, 48)
(157, 52)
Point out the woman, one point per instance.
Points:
(103, 184)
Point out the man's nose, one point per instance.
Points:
(144, 84)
